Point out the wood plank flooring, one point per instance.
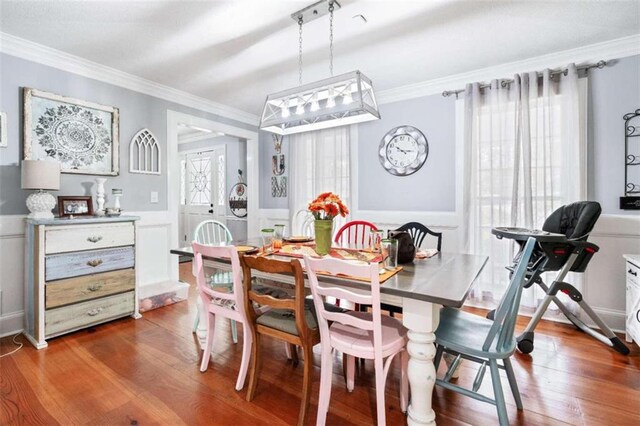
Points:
(146, 372)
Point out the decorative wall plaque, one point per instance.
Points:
(238, 197)
(144, 153)
(82, 136)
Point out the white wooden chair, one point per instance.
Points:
(212, 233)
(303, 223)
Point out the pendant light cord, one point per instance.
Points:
(331, 38)
(300, 50)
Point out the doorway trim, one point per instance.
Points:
(173, 172)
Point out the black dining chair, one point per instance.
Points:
(418, 232)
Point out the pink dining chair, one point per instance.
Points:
(224, 304)
(367, 335)
(355, 234)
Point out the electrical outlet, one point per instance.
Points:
(154, 197)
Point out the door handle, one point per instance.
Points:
(211, 211)
(635, 274)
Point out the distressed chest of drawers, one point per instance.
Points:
(79, 272)
(632, 268)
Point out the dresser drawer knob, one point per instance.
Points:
(634, 273)
(94, 287)
(95, 262)
(94, 312)
(94, 239)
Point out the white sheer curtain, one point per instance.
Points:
(319, 162)
(525, 146)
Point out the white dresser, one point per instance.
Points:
(632, 268)
(80, 272)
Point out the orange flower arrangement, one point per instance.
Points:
(327, 205)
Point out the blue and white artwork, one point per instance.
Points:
(81, 136)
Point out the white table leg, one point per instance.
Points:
(421, 318)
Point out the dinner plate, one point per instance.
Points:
(298, 239)
(246, 249)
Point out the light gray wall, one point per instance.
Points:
(613, 92)
(236, 157)
(137, 111)
(432, 188)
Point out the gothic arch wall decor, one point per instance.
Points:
(144, 153)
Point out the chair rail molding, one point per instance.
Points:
(606, 50)
(28, 50)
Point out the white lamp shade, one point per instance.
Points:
(40, 174)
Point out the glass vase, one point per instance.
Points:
(323, 230)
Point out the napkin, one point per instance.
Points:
(427, 253)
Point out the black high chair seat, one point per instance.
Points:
(561, 246)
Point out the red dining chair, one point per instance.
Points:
(355, 234)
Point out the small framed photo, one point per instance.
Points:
(75, 206)
(3, 130)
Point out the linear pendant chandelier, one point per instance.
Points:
(332, 102)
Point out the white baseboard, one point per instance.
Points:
(11, 324)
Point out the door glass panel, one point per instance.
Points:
(200, 181)
(221, 181)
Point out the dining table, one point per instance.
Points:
(421, 288)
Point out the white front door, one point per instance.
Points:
(202, 190)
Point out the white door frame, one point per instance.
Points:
(173, 172)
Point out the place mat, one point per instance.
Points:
(300, 250)
(384, 276)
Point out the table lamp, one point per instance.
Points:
(41, 175)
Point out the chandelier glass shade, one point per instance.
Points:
(335, 101)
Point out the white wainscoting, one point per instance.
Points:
(604, 280)
(155, 264)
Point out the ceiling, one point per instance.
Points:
(188, 134)
(236, 52)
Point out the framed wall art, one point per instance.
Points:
(81, 135)
(3, 130)
(75, 206)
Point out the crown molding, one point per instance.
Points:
(28, 50)
(608, 50)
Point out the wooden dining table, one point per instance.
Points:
(421, 288)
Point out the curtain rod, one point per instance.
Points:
(505, 82)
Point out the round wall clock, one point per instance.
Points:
(403, 150)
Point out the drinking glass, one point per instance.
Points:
(389, 247)
(267, 237)
(278, 235)
(376, 238)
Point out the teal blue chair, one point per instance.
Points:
(212, 232)
(478, 339)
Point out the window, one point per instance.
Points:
(527, 157)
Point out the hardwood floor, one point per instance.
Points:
(146, 372)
